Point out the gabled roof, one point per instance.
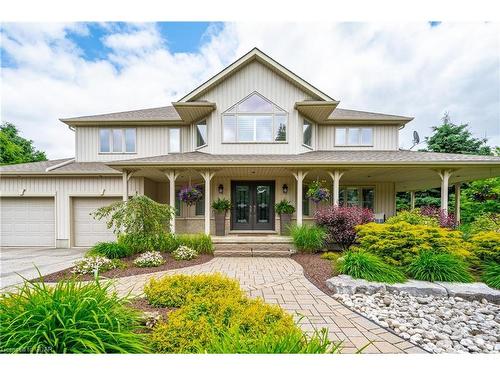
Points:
(340, 114)
(256, 55)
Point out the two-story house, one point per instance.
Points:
(255, 133)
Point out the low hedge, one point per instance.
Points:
(174, 291)
(398, 244)
(214, 316)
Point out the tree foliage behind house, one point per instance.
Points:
(15, 149)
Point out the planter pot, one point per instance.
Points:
(285, 220)
(220, 223)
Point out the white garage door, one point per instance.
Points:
(27, 221)
(86, 230)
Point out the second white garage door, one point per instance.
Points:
(86, 230)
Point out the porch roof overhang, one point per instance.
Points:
(409, 170)
(317, 111)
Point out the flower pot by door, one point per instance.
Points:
(285, 220)
(220, 223)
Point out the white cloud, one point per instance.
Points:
(408, 69)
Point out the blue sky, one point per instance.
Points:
(420, 69)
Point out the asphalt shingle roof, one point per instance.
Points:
(71, 168)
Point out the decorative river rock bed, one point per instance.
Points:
(441, 322)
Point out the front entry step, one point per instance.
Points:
(253, 246)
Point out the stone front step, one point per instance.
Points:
(253, 246)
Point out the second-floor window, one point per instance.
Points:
(174, 140)
(201, 134)
(255, 119)
(117, 140)
(307, 134)
(352, 136)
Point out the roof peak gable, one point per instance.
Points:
(255, 54)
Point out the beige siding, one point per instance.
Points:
(385, 199)
(385, 137)
(151, 141)
(63, 188)
(254, 77)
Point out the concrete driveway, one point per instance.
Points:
(22, 261)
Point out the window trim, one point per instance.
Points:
(312, 133)
(124, 144)
(195, 133)
(272, 114)
(347, 144)
(169, 139)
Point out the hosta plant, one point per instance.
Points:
(95, 264)
(149, 259)
(184, 253)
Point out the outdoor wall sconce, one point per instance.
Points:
(221, 189)
(285, 188)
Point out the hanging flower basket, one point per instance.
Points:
(317, 193)
(190, 194)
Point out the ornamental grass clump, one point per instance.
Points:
(340, 223)
(200, 242)
(363, 265)
(95, 264)
(432, 266)
(71, 317)
(308, 238)
(111, 250)
(491, 275)
(184, 253)
(149, 259)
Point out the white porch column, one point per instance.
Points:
(457, 202)
(207, 177)
(412, 200)
(336, 175)
(299, 176)
(125, 185)
(445, 178)
(172, 176)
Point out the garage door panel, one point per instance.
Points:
(27, 221)
(86, 230)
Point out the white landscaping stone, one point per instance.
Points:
(417, 288)
(344, 284)
(471, 291)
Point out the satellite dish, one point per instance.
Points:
(416, 138)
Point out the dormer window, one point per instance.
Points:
(254, 119)
(352, 136)
(117, 141)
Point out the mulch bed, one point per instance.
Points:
(131, 269)
(316, 270)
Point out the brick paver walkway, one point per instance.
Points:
(281, 281)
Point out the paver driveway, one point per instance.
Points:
(22, 261)
(281, 281)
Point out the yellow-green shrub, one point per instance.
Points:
(398, 244)
(174, 291)
(486, 246)
(202, 322)
(413, 217)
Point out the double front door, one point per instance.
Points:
(252, 205)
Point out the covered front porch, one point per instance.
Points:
(253, 190)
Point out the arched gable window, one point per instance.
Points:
(254, 119)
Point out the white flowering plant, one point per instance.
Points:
(149, 259)
(184, 253)
(95, 264)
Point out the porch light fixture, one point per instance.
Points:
(221, 189)
(285, 188)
